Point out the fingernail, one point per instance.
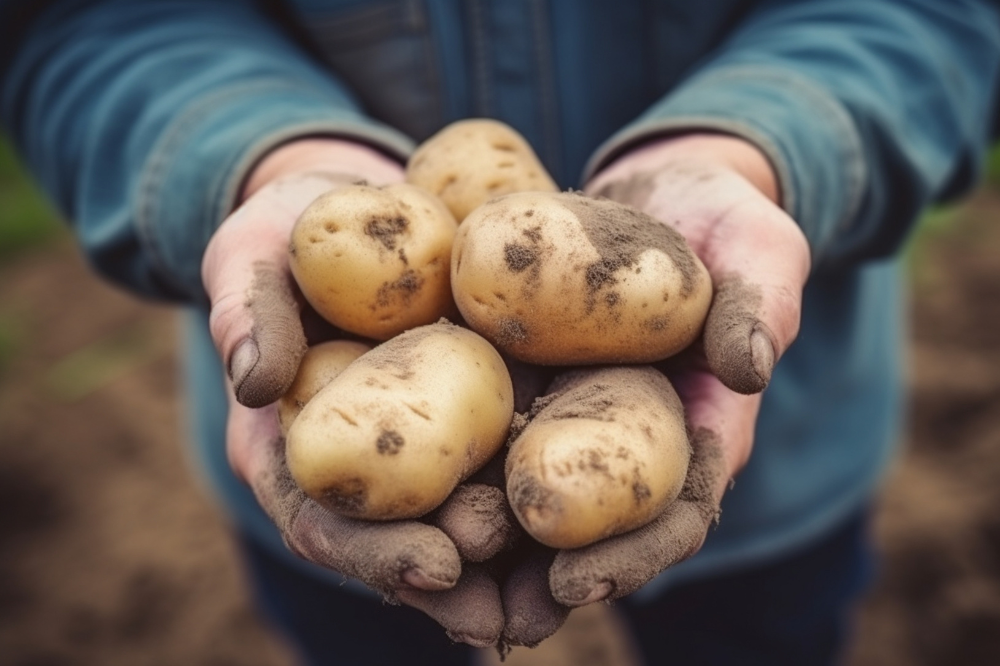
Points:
(419, 579)
(242, 362)
(762, 355)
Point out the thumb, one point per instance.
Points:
(254, 318)
(759, 262)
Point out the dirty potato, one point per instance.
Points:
(564, 279)
(471, 161)
(395, 432)
(374, 260)
(604, 453)
(318, 367)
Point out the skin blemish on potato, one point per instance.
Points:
(386, 230)
(375, 383)
(658, 323)
(621, 234)
(399, 358)
(422, 414)
(519, 257)
(588, 402)
(344, 416)
(530, 497)
(448, 182)
(403, 288)
(389, 443)
(347, 497)
(640, 491)
(511, 332)
(595, 462)
(402, 256)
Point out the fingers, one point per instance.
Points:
(531, 614)
(759, 261)
(470, 612)
(620, 565)
(478, 519)
(386, 556)
(255, 317)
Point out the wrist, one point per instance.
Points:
(713, 150)
(316, 154)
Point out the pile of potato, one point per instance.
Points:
(481, 232)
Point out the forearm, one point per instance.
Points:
(862, 126)
(143, 121)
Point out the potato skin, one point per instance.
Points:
(319, 366)
(604, 456)
(472, 161)
(394, 433)
(563, 279)
(374, 261)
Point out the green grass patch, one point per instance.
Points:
(92, 367)
(934, 225)
(993, 166)
(26, 218)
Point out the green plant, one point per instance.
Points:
(26, 219)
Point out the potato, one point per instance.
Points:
(471, 161)
(318, 367)
(563, 279)
(605, 455)
(374, 260)
(394, 433)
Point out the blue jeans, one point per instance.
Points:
(792, 612)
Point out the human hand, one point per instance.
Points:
(256, 323)
(721, 194)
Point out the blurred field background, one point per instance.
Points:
(111, 553)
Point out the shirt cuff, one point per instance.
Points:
(192, 179)
(808, 136)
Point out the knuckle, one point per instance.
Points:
(226, 318)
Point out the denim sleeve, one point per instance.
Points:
(868, 110)
(141, 119)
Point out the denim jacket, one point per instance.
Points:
(141, 120)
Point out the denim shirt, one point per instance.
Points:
(141, 120)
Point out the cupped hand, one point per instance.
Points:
(721, 193)
(256, 324)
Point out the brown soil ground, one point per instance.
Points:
(111, 554)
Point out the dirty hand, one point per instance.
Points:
(256, 323)
(721, 193)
